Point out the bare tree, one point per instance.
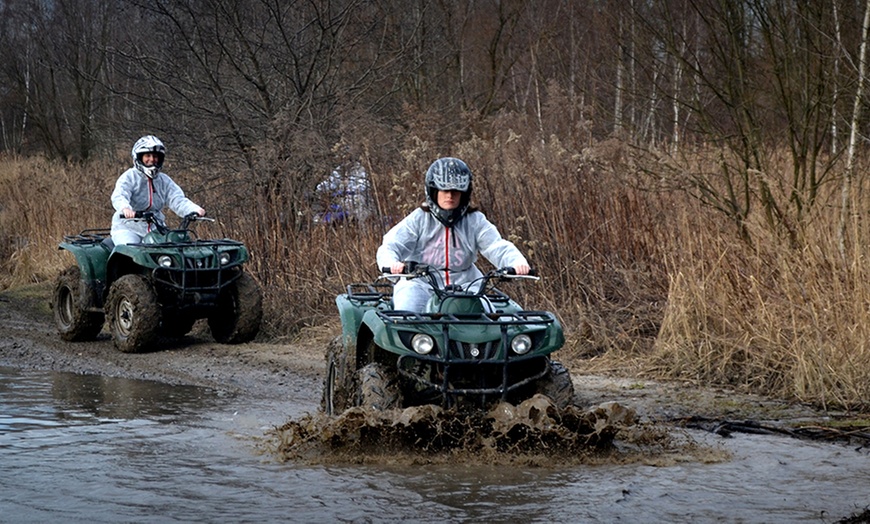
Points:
(57, 65)
(759, 74)
(858, 103)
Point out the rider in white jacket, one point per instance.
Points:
(145, 188)
(444, 233)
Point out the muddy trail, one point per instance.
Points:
(613, 418)
(294, 368)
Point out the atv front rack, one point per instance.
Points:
(519, 318)
(497, 371)
(199, 278)
(376, 291)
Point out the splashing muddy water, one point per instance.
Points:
(534, 432)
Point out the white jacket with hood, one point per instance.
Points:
(140, 193)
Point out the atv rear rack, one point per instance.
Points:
(369, 292)
(88, 236)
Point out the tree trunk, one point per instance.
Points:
(845, 205)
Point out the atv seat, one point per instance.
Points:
(108, 243)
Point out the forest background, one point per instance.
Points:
(689, 176)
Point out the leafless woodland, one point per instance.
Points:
(688, 175)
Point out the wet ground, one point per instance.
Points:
(234, 431)
(96, 449)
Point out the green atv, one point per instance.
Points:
(158, 287)
(472, 346)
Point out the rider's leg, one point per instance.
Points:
(410, 295)
(125, 236)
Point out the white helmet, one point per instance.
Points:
(149, 144)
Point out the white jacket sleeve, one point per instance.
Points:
(500, 252)
(175, 199)
(400, 241)
(122, 192)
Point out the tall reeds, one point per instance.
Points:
(646, 280)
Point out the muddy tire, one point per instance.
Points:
(73, 323)
(178, 326)
(557, 385)
(378, 388)
(133, 314)
(239, 312)
(338, 385)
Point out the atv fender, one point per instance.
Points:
(356, 336)
(383, 337)
(139, 256)
(120, 263)
(91, 259)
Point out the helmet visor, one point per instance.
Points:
(451, 179)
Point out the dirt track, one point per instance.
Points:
(294, 369)
(28, 340)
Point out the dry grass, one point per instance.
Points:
(787, 322)
(641, 281)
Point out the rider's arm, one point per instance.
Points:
(500, 252)
(175, 199)
(122, 194)
(398, 244)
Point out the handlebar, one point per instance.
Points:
(432, 275)
(148, 216)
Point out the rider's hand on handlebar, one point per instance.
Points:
(397, 268)
(522, 269)
(200, 211)
(128, 212)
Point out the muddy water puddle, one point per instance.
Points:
(96, 449)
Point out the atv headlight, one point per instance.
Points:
(164, 261)
(521, 344)
(422, 344)
(225, 258)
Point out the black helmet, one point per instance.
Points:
(448, 174)
(149, 144)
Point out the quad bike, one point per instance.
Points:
(472, 346)
(158, 287)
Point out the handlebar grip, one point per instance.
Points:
(511, 271)
(410, 267)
